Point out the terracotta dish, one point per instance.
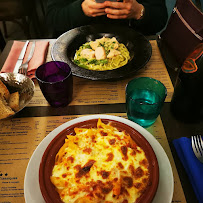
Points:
(47, 162)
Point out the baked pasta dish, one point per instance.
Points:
(100, 165)
(102, 54)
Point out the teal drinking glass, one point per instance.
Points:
(144, 99)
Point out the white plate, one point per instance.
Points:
(164, 192)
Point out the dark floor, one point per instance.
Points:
(15, 32)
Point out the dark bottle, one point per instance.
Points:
(187, 101)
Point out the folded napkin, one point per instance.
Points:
(38, 58)
(192, 165)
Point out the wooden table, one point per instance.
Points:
(173, 128)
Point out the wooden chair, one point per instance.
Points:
(22, 12)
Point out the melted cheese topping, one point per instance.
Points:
(101, 165)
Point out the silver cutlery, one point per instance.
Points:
(20, 58)
(197, 146)
(23, 68)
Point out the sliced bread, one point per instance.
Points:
(4, 91)
(14, 101)
(5, 110)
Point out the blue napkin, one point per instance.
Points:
(192, 165)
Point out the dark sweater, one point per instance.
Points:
(63, 15)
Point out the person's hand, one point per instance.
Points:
(93, 9)
(123, 10)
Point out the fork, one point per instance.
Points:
(24, 66)
(197, 146)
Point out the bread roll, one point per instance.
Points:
(4, 91)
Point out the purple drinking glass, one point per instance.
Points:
(56, 82)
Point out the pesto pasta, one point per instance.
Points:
(102, 54)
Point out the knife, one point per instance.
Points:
(20, 58)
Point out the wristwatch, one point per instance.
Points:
(131, 21)
(141, 13)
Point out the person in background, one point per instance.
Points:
(145, 16)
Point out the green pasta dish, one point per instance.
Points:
(102, 54)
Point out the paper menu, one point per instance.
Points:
(20, 137)
(88, 92)
(156, 68)
(159, 133)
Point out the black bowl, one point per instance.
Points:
(139, 47)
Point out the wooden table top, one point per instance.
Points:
(173, 128)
